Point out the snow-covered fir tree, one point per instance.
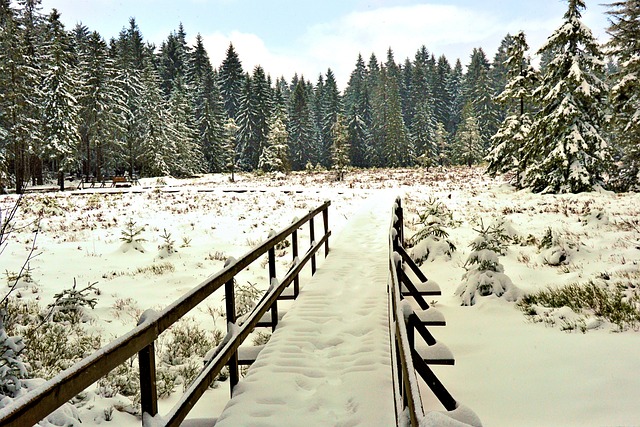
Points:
(187, 159)
(229, 147)
(467, 145)
(441, 144)
(625, 92)
(274, 156)
(101, 102)
(485, 274)
(340, 147)
(59, 104)
(508, 143)
(567, 151)
(300, 127)
(231, 82)
(358, 111)
(157, 149)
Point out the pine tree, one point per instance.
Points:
(441, 96)
(625, 93)
(274, 157)
(173, 59)
(59, 104)
(340, 147)
(231, 82)
(569, 153)
(508, 144)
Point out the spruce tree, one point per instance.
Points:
(102, 103)
(568, 152)
(253, 116)
(467, 146)
(59, 104)
(274, 157)
(157, 150)
(231, 82)
(340, 147)
(331, 108)
(187, 158)
(20, 62)
(441, 96)
(208, 106)
(229, 147)
(455, 93)
(441, 144)
(300, 127)
(391, 141)
(358, 115)
(508, 144)
(625, 93)
(478, 90)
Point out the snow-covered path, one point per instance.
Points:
(328, 362)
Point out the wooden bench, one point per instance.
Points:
(124, 181)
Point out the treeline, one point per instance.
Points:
(71, 102)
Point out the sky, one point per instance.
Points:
(308, 37)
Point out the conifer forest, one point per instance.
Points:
(73, 103)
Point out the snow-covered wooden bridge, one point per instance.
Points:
(343, 355)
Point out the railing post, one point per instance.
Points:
(312, 240)
(294, 250)
(148, 390)
(325, 220)
(272, 276)
(230, 303)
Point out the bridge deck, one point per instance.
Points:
(328, 362)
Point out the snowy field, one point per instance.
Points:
(556, 368)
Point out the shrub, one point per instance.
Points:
(52, 347)
(591, 298)
(187, 339)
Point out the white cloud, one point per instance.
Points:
(252, 51)
(444, 29)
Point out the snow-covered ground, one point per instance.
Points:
(509, 369)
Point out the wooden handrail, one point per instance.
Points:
(404, 323)
(39, 403)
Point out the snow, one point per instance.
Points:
(508, 370)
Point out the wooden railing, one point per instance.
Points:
(405, 320)
(39, 403)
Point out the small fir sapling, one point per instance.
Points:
(485, 275)
(431, 240)
(131, 236)
(167, 247)
(552, 251)
(70, 304)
